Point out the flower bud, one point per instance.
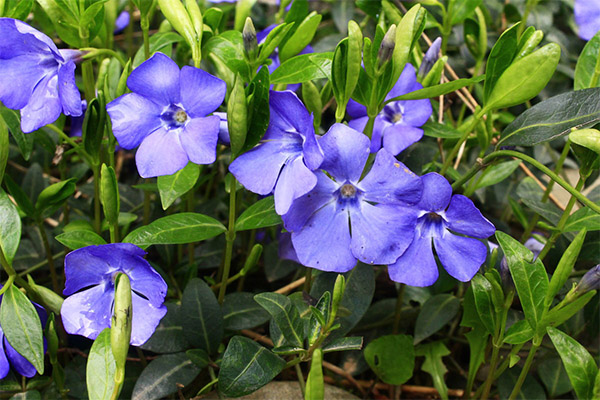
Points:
(431, 56)
(252, 259)
(338, 293)
(386, 49)
(120, 330)
(250, 42)
(590, 281)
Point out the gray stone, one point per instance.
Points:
(287, 390)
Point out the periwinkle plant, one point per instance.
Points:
(234, 203)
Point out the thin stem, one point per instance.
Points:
(398, 313)
(49, 258)
(308, 280)
(458, 144)
(96, 52)
(80, 150)
(229, 237)
(145, 25)
(190, 208)
(524, 372)
(97, 213)
(300, 379)
(129, 30)
(146, 217)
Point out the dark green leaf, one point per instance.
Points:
(438, 90)
(435, 313)
(198, 357)
(109, 194)
(259, 110)
(285, 315)
(3, 147)
(434, 365)
(240, 311)
(28, 395)
(519, 332)
(100, 368)
(553, 118)
(344, 344)
(554, 377)
(168, 336)
(477, 336)
(171, 187)
(564, 267)
(497, 173)
(201, 316)
(176, 229)
(54, 195)
(462, 10)
(586, 63)
(22, 327)
(482, 292)
(392, 358)
(259, 215)
(10, 227)
(13, 122)
(158, 42)
(437, 130)
(500, 58)
(556, 317)
(77, 239)
(163, 376)
(319, 317)
(302, 68)
(584, 218)
(246, 367)
(531, 389)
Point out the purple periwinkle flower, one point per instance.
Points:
(166, 115)
(9, 356)
(587, 18)
(430, 57)
(441, 219)
(35, 76)
(121, 22)
(90, 284)
(398, 125)
(223, 128)
(590, 281)
(345, 219)
(284, 161)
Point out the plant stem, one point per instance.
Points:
(97, 214)
(50, 259)
(524, 371)
(458, 144)
(229, 237)
(596, 75)
(307, 282)
(145, 25)
(398, 313)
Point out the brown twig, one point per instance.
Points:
(541, 185)
(291, 286)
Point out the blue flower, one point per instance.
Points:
(90, 273)
(121, 22)
(345, 218)
(590, 281)
(166, 115)
(587, 18)
(9, 356)
(442, 218)
(430, 57)
(35, 76)
(398, 125)
(284, 161)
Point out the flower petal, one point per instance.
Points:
(201, 92)
(464, 218)
(161, 153)
(23, 72)
(391, 182)
(380, 234)
(86, 267)
(18, 38)
(145, 318)
(416, 267)
(460, 256)
(18, 362)
(259, 168)
(286, 248)
(44, 105)
(346, 152)
(416, 112)
(356, 110)
(311, 151)
(436, 192)
(4, 366)
(295, 180)
(288, 113)
(303, 207)
(358, 124)
(69, 95)
(398, 137)
(407, 82)
(199, 139)
(87, 313)
(324, 242)
(157, 79)
(379, 127)
(587, 17)
(133, 117)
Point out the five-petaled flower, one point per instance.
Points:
(442, 218)
(398, 125)
(35, 76)
(587, 18)
(166, 115)
(283, 163)
(90, 284)
(344, 219)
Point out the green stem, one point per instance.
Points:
(7, 284)
(229, 237)
(300, 379)
(398, 313)
(456, 147)
(190, 208)
(146, 217)
(596, 75)
(49, 258)
(80, 150)
(97, 213)
(447, 24)
(145, 25)
(97, 52)
(530, 4)
(129, 30)
(524, 372)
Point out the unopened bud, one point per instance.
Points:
(250, 42)
(431, 56)
(252, 259)
(120, 329)
(590, 281)
(386, 49)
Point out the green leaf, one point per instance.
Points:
(202, 319)
(285, 315)
(259, 215)
(168, 336)
(100, 368)
(553, 118)
(54, 195)
(500, 58)
(3, 147)
(437, 130)
(81, 238)
(259, 110)
(171, 187)
(564, 267)
(13, 122)
(10, 227)
(530, 389)
(531, 194)
(518, 333)
(462, 10)
(497, 173)
(22, 327)
(482, 292)
(28, 395)
(343, 344)
(176, 229)
(392, 358)
(409, 28)
(319, 317)
(241, 311)
(438, 90)
(315, 387)
(229, 48)
(524, 78)
(175, 12)
(434, 365)
(554, 377)
(301, 38)
(589, 138)
(163, 376)
(584, 218)
(303, 68)
(158, 42)
(109, 194)
(435, 313)
(272, 41)
(557, 316)
(237, 116)
(477, 336)
(580, 365)
(586, 63)
(530, 278)
(246, 367)
(199, 357)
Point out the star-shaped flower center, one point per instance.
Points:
(174, 116)
(348, 190)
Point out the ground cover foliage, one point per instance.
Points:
(396, 198)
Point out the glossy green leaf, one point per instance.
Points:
(109, 194)
(497, 173)
(499, 59)
(462, 10)
(175, 12)
(580, 365)
(435, 313)
(176, 229)
(100, 368)
(13, 122)
(586, 63)
(344, 344)
(301, 38)
(158, 42)
(407, 30)
(54, 195)
(437, 130)
(246, 367)
(565, 266)
(530, 278)
(171, 187)
(168, 336)
(434, 365)
(22, 327)
(519, 332)
(557, 316)
(554, 377)
(163, 376)
(241, 311)
(584, 218)
(259, 215)
(303, 68)
(315, 387)
(482, 290)
(392, 358)
(285, 315)
(237, 116)
(553, 118)
(438, 90)
(3, 147)
(258, 108)
(229, 48)
(10, 227)
(477, 336)
(319, 317)
(80, 238)
(272, 40)
(201, 316)
(199, 357)
(589, 138)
